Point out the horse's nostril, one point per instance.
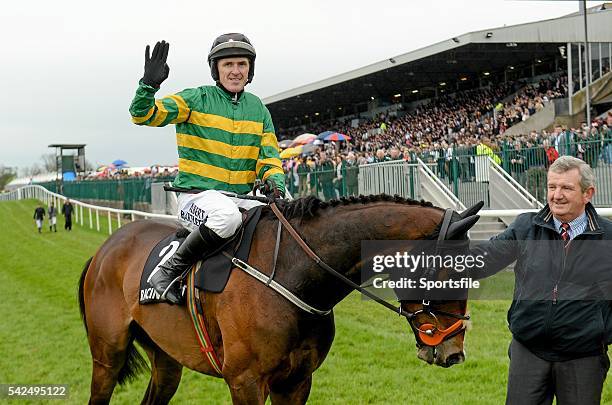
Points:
(456, 358)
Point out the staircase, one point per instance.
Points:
(485, 228)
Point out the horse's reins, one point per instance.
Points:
(427, 334)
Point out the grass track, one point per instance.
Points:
(372, 361)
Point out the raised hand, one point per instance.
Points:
(156, 69)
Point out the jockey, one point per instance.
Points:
(225, 140)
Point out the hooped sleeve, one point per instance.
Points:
(269, 163)
(146, 110)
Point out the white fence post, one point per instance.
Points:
(36, 192)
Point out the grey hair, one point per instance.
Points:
(567, 163)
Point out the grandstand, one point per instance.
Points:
(512, 90)
(469, 61)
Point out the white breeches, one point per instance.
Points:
(217, 211)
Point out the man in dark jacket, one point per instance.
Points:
(39, 214)
(67, 212)
(560, 317)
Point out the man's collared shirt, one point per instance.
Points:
(577, 226)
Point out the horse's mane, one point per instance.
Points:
(309, 207)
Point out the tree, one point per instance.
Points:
(49, 163)
(6, 175)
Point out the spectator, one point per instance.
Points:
(67, 213)
(52, 211)
(518, 163)
(303, 169)
(39, 214)
(326, 176)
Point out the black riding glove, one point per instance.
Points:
(271, 190)
(156, 69)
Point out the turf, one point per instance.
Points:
(373, 359)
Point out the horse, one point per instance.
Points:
(267, 346)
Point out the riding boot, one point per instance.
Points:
(166, 279)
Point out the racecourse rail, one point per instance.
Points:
(40, 193)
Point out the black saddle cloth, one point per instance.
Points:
(214, 270)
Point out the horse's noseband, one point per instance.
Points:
(429, 333)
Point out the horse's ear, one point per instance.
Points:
(473, 210)
(460, 227)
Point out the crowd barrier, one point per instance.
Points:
(40, 193)
(127, 193)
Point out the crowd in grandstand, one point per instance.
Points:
(449, 132)
(119, 173)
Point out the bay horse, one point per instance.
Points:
(267, 346)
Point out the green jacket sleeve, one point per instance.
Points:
(146, 110)
(269, 163)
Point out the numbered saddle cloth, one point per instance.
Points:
(214, 271)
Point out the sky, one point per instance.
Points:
(70, 68)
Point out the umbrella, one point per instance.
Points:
(322, 135)
(317, 142)
(304, 139)
(102, 168)
(309, 149)
(290, 152)
(285, 143)
(336, 136)
(119, 162)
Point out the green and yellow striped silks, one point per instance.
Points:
(222, 145)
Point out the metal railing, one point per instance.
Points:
(37, 192)
(519, 191)
(445, 198)
(128, 193)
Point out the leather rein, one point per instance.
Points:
(427, 334)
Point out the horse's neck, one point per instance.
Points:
(335, 235)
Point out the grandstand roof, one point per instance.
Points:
(496, 51)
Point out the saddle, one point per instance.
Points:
(213, 270)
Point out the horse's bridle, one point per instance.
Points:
(427, 334)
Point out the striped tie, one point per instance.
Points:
(565, 234)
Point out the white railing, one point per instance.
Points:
(445, 196)
(40, 193)
(393, 177)
(604, 212)
(520, 190)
